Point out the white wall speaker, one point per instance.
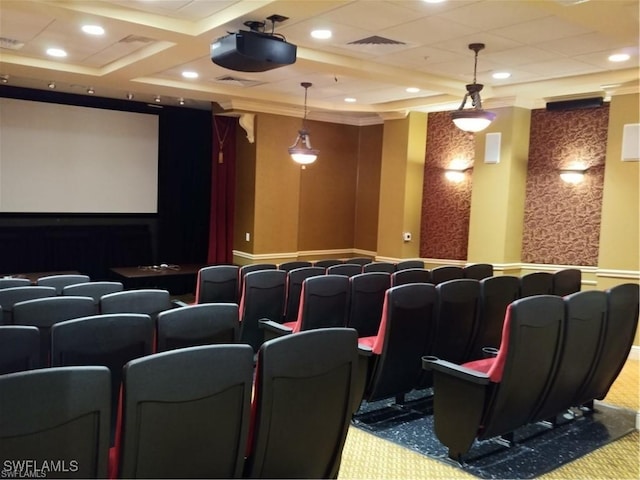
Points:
(492, 147)
(631, 142)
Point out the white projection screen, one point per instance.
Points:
(67, 159)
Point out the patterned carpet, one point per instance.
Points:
(368, 456)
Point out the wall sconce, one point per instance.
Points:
(572, 176)
(455, 174)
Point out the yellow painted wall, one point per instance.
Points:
(401, 181)
(619, 254)
(497, 198)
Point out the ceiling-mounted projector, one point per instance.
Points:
(251, 51)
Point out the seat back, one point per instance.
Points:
(446, 273)
(327, 262)
(148, 301)
(60, 281)
(14, 282)
(19, 348)
(263, 296)
(347, 269)
(585, 315)
(620, 329)
(12, 295)
(288, 266)
(218, 284)
(254, 267)
(186, 413)
(362, 261)
(294, 288)
(406, 264)
(496, 293)
(478, 271)
(458, 305)
(94, 290)
(410, 275)
(405, 335)
(56, 415)
(193, 325)
(566, 281)
(366, 301)
(385, 267)
(45, 312)
(528, 357)
(536, 283)
(110, 340)
(303, 438)
(324, 303)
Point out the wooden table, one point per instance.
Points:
(178, 279)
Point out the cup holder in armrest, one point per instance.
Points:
(489, 352)
(427, 360)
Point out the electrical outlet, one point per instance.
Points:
(406, 236)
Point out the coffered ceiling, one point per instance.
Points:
(554, 49)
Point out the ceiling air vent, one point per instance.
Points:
(376, 40)
(238, 81)
(136, 38)
(10, 43)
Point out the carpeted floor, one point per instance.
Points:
(582, 448)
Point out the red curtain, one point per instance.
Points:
(223, 171)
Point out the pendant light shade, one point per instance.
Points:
(301, 151)
(473, 119)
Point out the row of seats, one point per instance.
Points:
(56, 281)
(555, 353)
(188, 413)
(223, 283)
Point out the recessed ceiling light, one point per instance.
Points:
(157, 99)
(321, 34)
(56, 52)
(189, 74)
(181, 101)
(93, 29)
(51, 85)
(90, 91)
(4, 78)
(129, 96)
(412, 90)
(619, 57)
(350, 100)
(501, 75)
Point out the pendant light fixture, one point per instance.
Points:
(473, 119)
(301, 151)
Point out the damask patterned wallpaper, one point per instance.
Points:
(446, 205)
(561, 220)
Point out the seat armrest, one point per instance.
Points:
(458, 371)
(179, 303)
(365, 350)
(274, 327)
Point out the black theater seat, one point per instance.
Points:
(185, 414)
(494, 396)
(302, 408)
(218, 284)
(366, 300)
(406, 333)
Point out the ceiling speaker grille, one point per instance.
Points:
(238, 81)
